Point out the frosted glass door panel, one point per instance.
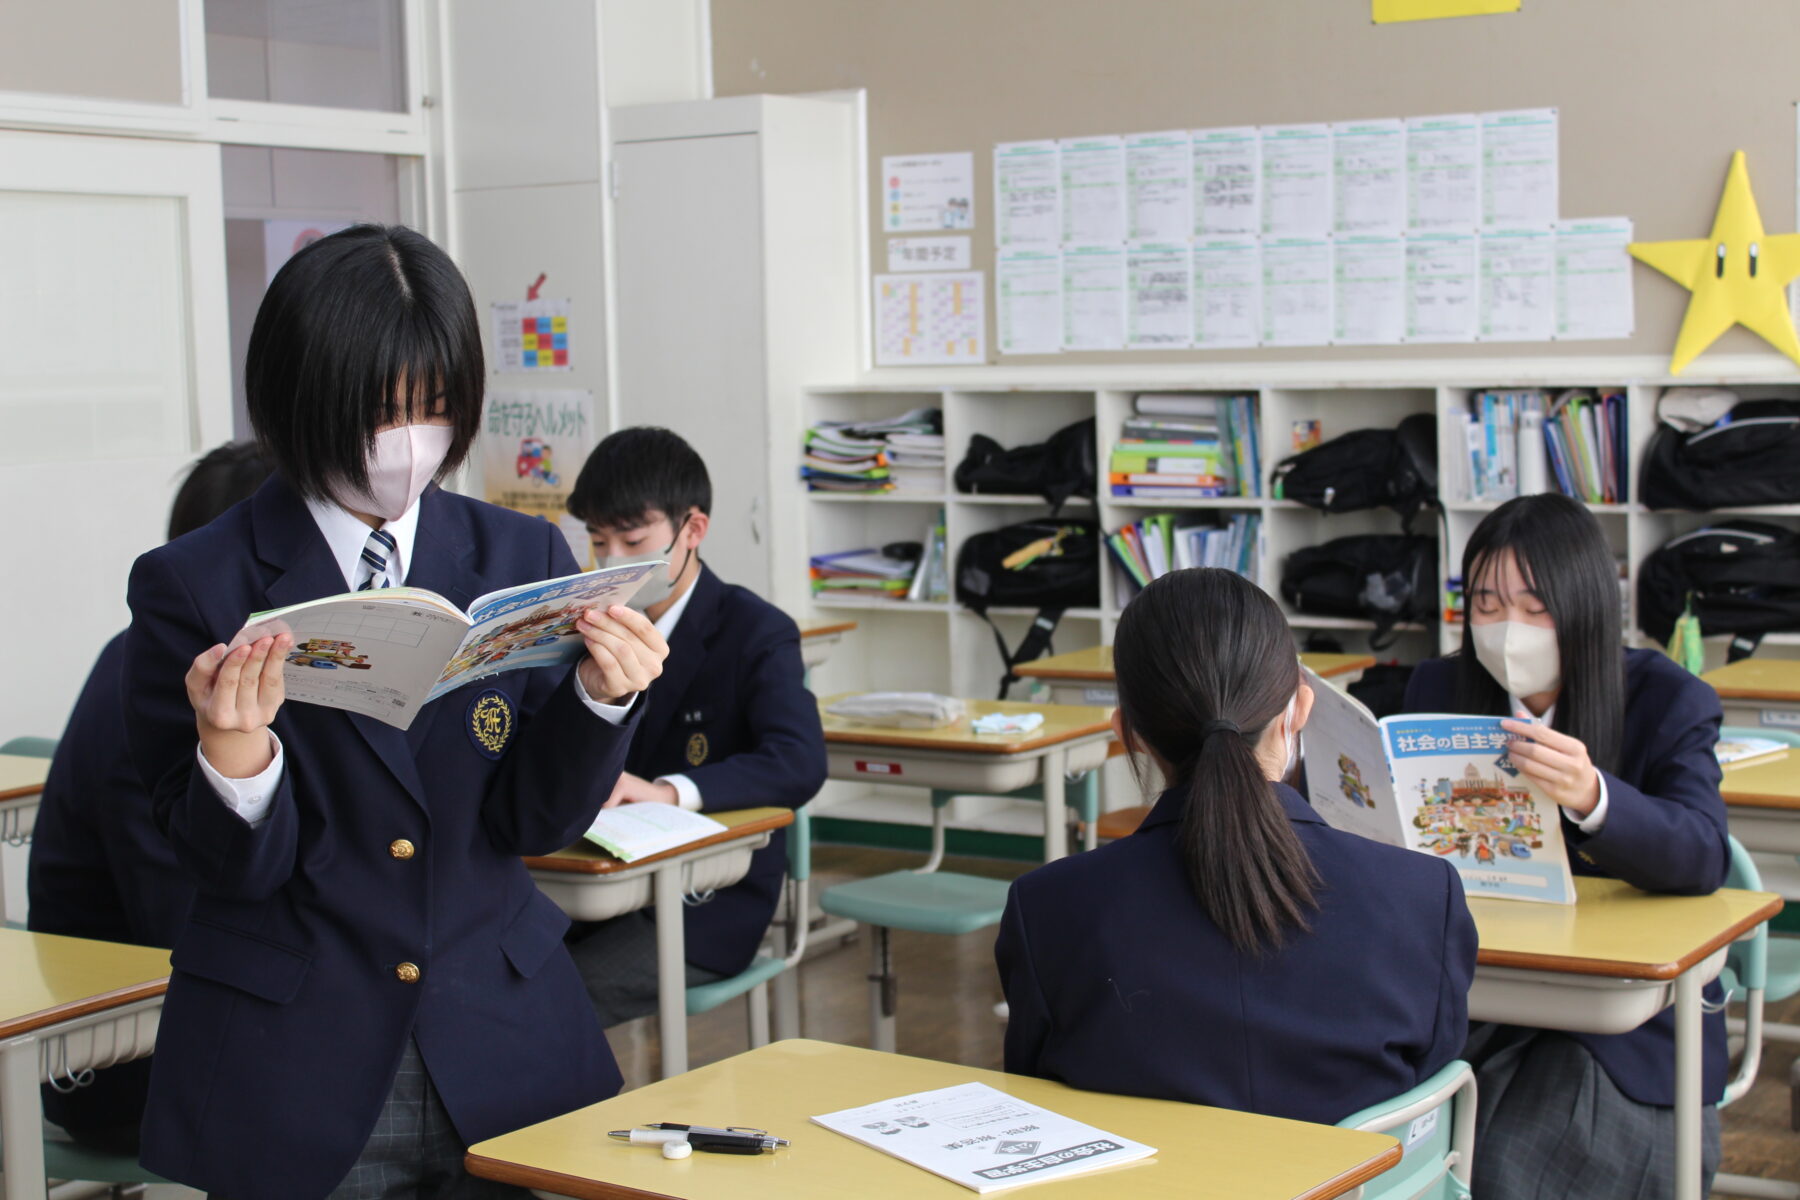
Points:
(94, 332)
(329, 53)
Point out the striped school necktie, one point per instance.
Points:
(376, 554)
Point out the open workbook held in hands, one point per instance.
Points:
(1440, 784)
(388, 652)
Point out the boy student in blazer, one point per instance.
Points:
(730, 725)
(99, 866)
(1623, 741)
(1236, 950)
(368, 980)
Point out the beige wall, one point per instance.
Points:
(1654, 95)
(111, 49)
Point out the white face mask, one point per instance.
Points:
(400, 467)
(1522, 658)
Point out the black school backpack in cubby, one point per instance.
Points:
(1049, 564)
(1387, 578)
(1754, 458)
(1742, 577)
(1061, 466)
(1366, 468)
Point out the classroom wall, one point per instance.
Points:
(112, 49)
(1654, 96)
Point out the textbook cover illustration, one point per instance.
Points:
(1439, 784)
(388, 652)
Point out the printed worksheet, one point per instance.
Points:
(1159, 186)
(1296, 180)
(1593, 278)
(1027, 194)
(1227, 180)
(1518, 284)
(1519, 167)
(1296, 291)
(1028, 299)
(1093, 189)
(929, 319)
(1227, 293)
(928, 191)
(1443, 173)
(1441, 289)
(1368, 164)
(1158, 313)
(1369, 290)
(1093, 288)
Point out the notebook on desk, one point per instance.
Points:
(633, 831)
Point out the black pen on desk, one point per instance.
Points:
(701, 1137)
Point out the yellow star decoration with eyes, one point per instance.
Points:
(1738, 276)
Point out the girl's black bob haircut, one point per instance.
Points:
(371, 326)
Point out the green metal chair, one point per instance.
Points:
(30, 747)
(926, 900)
(755, 978)
(1435, 1123)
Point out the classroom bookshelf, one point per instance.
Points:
(942, 647)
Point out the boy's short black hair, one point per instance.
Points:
(219, 479)
(358, 330)
(637, 474)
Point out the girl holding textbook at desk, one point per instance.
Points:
(1236, 950)
(1623, 741)
(368, 981)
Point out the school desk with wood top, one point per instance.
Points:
(591, 885)
(1086, 676)
(819, 638)
(1201, 1153)
(1759, 691)
(1762, 801)
(1607, 964)
(21, 786)
(1072, 739)
(67, 1006)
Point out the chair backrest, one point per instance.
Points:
(1435, 1123)
(30, 747)
(799, 845)
(1786, 737)
(1746, 975)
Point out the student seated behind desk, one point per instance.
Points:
(1626, 749)
(1236, 950)
(729, 725)
(99, 867)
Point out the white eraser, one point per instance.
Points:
(677, 1149)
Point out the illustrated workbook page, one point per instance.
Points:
(982, 1138)
(1347, 777)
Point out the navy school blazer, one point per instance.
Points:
(732, 713)
(1119, 982)
(286, 1017)
(1664, 832)
(101, 869)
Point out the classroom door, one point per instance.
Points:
(690, 321)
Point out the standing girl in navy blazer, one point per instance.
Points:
(1625, 747)
(368, 980)
(1236, 950)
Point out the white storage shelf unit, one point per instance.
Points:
(942, 647)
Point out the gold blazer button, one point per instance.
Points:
(407, 973)
(401, 848)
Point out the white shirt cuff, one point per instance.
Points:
(248, 798)
(612, 714)
(1595, 821)
(686, 794)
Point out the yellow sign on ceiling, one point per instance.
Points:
(1389, 11)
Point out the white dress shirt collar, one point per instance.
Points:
(346, 535)
(666, 623)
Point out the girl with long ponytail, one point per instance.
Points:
(1236, 950)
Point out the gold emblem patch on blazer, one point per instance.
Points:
(697, 749)
(491, 722)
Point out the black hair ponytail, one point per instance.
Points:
(1205, 661)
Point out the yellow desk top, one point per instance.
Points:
(1062, 723)
(1757, 679)
(1615, 930)
(22, 775)
(45, 978)
(1202, 1153)
(1772, 783)
(813, 629)
(585, 858)
(1095, 665)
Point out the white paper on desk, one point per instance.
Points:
(629, 832)
(1227, 292)
(1296, 180)
(1093, 189)
(1443, 173)
(982, 1138)
(1296, 291)
(1093, 290)
(1368, 166)
(1159, 186)
(1027, 194)
(1518, 284)
(1028, 300)
(1158, 315)
(1518, 167)
(1368, 290)
(1593, 278)
(1440, 287)
(1227, 181)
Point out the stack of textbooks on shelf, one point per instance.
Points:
(1165, 542)
(1520, 443)
(867, 572)
(903, 453)
(1187, 447)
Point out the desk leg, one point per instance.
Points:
(671, 969)
(22, 1119)
(1056, 811)
(1687, 1086)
